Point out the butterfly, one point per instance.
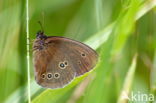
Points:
(58, 60)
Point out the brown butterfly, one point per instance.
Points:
(58, 60)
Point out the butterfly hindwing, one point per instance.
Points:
(53, 68)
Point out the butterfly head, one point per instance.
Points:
(41, 35)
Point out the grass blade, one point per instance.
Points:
(128, 81)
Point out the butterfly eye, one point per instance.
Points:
(56, 75)
(49, 75)
(43, 76)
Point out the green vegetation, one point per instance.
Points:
(121, 31)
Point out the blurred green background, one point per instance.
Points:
(123, 32)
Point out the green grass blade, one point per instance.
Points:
(128, 81)
(125, 24)
(153, 76)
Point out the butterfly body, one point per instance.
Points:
(58, 60)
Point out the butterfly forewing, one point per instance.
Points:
(82, 57)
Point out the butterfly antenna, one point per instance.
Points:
(41, 26)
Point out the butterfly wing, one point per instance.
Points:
(48, 72)
(82, 57)
(59, 60)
